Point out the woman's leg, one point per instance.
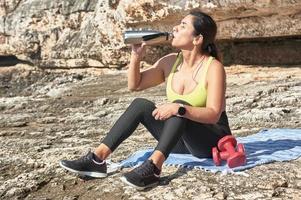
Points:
(201, 138)
(175, 129)
(170, 139)
(139, 111)
(93, 164)
(191, 137)
(147, 174)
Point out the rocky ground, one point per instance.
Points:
(47, 116)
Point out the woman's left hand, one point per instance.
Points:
(165, 111)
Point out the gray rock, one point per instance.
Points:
(56, 92)
(65, 128)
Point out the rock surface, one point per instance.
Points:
(88, 33)
(49, 115)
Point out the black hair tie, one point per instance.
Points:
(209, 47)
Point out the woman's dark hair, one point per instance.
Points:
(206, 26)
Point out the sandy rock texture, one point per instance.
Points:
(88, 33)
(49, 115)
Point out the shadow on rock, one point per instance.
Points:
(165, 180)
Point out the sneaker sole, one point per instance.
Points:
(91, 174)
(123, 179)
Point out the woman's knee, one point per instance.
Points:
(141, 105)
(138, 102)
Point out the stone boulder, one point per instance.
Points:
(88, 33)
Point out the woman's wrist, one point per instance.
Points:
(136, 56)
(176, 109)
(180, 110)
(135, 61)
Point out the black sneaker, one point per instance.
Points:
(88, 165)
(145, 176)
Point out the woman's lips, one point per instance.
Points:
(173, 34)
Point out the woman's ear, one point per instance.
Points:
(198, 40)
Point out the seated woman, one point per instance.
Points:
(192, 121)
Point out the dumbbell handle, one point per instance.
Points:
(230, 148)
(224, 155)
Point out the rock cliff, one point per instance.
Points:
(88, 33)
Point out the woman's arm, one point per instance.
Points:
(150, 77)
(134, 75)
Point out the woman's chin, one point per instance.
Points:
(177, 46)
(173, 44)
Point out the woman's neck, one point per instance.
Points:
(191, 58)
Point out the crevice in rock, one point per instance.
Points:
(262, 51)
(87, 8)
(114, 4)
(12, 60)
(80, 11)
(247, 17)
(4, 25)
(37, 54)
(87, 5)
(79, 67)
(255, 13)
(40, 185)
(16, 6)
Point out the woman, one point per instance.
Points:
(192, 121)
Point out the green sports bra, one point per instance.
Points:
(198, 96)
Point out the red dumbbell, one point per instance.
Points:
(228, 152)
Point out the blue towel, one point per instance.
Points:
(264, 147)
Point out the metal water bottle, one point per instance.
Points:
(150, 37)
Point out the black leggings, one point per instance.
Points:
(176, 134)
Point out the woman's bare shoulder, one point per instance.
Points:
(169, 57)
(215, 69)
(216, 65)
(166, 63)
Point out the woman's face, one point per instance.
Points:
(184, 34)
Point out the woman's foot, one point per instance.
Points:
(145, 176)
(88, 165)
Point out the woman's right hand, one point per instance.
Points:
(138, 50)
